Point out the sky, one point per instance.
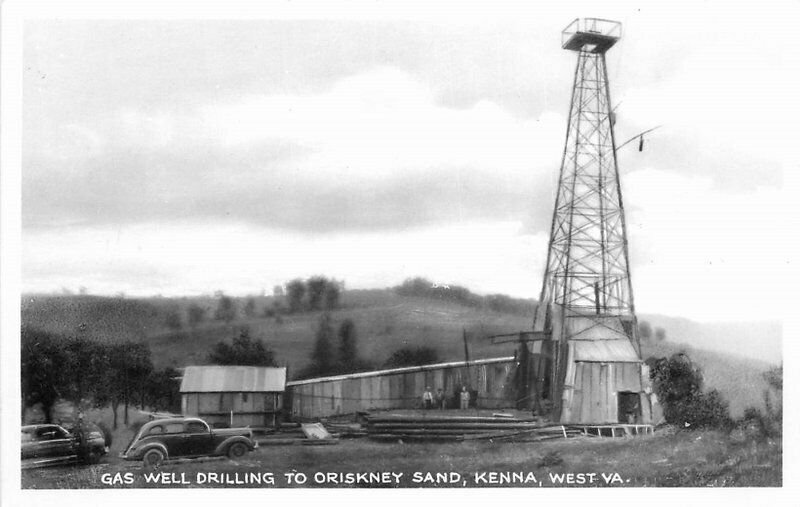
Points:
(181, 157)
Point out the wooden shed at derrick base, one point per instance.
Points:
(234, 395)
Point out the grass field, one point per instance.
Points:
(385, 321)
(666, 459)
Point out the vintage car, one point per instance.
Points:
(186, 437)
(50, 444)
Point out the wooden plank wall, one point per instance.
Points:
(594, 397)
(402, 390)
(216, 407)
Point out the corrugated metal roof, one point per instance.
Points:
(407, 369)
(605, 351)
(215, 379)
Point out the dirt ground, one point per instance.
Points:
(698, 458)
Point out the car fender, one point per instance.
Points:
(223, 447)
(154, 445)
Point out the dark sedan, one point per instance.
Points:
(50, 444)
(188, 437)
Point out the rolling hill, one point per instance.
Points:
(385, 321)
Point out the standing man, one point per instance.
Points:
(427, 398)
(440, 399)
(83, 448)
(464, 396)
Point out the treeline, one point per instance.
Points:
(89, 372)
(94, 373)
(422, 287)
(313, 294)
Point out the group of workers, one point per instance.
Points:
(439, 400)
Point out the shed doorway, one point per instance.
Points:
(629, 411)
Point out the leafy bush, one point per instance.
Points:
(678, 382)
(768, 424)
(243, 351)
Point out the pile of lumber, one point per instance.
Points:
(301, 434)
(347, 430)
(462, 428)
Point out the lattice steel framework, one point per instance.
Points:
(587, 263)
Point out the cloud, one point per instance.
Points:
(155, 160)
(374, 151)
(190, 257)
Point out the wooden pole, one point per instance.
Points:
(466, 348)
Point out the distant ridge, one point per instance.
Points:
(733, 356)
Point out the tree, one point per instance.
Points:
(678, 382)
(295, 290)
(116, 383)
(42, 369)
(660, 334)
(197, 315)
(137, 368)
(130, 364)
(274, 310)
(773, 401)
(242, 351)
(348, 347)
(414, 287)
(250, 308)
(645, 331)
(315, 286)
(412, 356)
(163, 390)
(323, 361)
(226, 309)
(173, 320)
(86, 362)
(333, 292)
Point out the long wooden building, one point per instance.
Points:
(490, 382)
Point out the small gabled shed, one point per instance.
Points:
(233, 395)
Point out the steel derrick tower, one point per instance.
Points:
(587, 275)
(581, 364)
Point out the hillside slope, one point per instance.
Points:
(761, 340)
(385, 321)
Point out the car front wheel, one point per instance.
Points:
(153, 458)
(237, 450)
